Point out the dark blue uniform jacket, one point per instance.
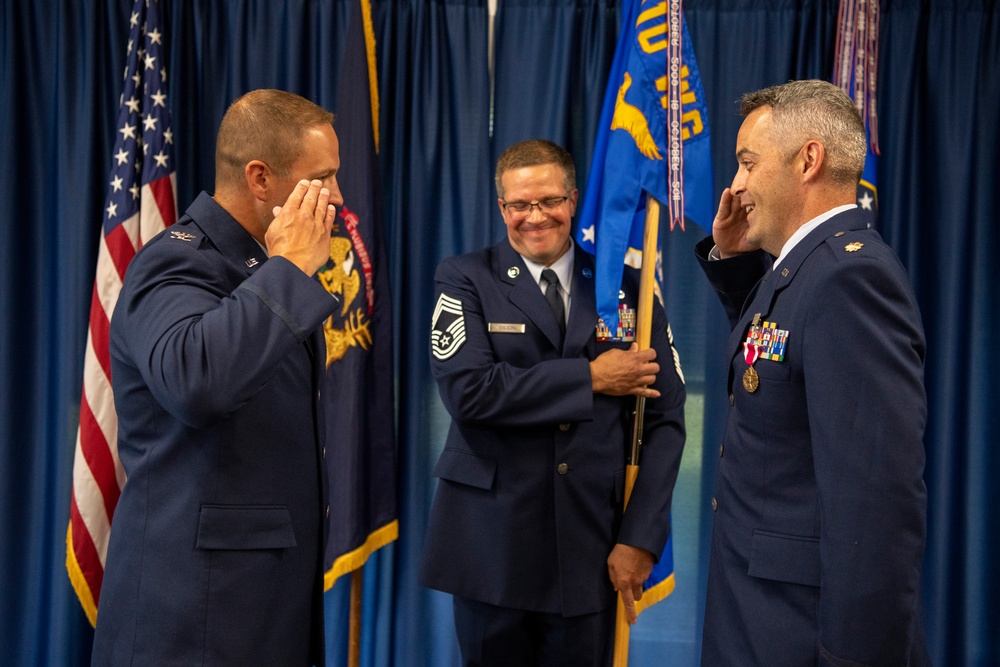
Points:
(820, 502)
(531, 477)
(216, 546)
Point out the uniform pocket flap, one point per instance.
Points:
(790, 558)
(466, 468)
(245, 527)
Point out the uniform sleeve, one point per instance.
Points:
(863, 360)
(203, 346)
(477, 388)
(734, 279)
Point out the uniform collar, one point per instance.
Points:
(804, 230)
(225, 233)
(562, 266)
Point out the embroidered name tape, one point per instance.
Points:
(500, 327)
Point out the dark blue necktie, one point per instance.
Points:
(555, 301)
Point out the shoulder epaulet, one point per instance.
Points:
(846, 242)
(181, 235)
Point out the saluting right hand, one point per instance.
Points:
(300, 231)
(729, 229)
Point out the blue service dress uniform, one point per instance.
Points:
(532, 475)
(820, 504)
(216, 548)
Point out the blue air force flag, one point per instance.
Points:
(635, 148)
(633, 154)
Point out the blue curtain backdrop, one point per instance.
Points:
(60, 78)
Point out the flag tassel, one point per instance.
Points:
(644, 329)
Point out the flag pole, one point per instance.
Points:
(644, 328)
(354, 625)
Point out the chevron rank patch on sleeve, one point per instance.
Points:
(448, 328)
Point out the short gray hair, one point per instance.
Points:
(814, 109)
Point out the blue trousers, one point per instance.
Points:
(491, 636)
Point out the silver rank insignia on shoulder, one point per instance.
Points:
(181, 236)
(448, 327)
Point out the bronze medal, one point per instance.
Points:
(750, 380)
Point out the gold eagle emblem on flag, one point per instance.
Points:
(342, 279)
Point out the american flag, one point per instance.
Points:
(140, 203)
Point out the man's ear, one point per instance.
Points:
(574, 197)
(812, 155)
(259, 179)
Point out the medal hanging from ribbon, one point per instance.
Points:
(751, 351)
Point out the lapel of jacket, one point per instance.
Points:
(227, 235)
(776, 280)
(524, 292)
(582, 322)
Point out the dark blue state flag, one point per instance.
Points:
(360, 417)
(646, 145)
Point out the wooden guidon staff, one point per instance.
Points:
(644, 318)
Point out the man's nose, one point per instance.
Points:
(535, 212)
(739, 183)
(336, 198)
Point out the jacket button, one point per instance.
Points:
(564, 427)
(328, 511)
(324, 452)
(562, 468)
(715, 505)
(731, 399)
(722, 448)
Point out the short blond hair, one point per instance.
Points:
(266, 125)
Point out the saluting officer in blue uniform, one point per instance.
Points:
(820, 503)
(217, 354)
(527, 529)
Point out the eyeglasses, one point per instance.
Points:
(546, 205)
